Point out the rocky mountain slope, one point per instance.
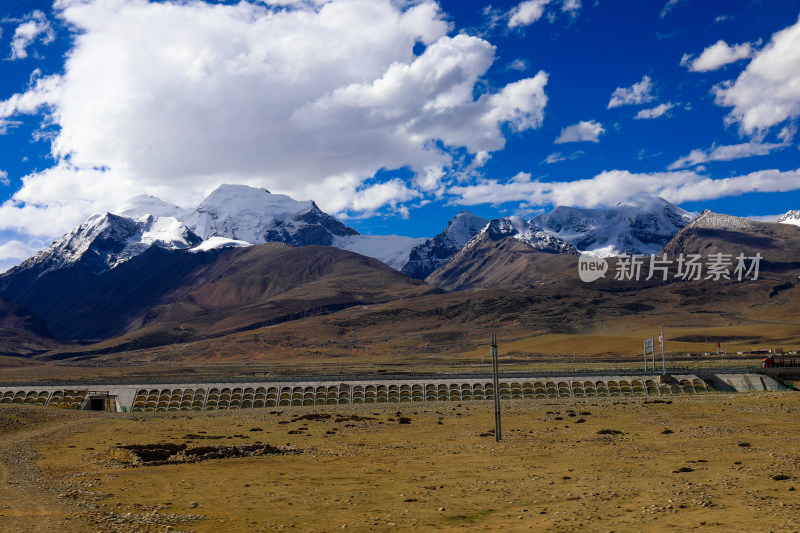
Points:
(507, 253)
(230, 288)
(712, 233)
(435, 252)
(271, 283)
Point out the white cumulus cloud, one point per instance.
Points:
(12, 252)
(717, 55)
(518, 64)
(582, 131)
(529, 11)
(555, 157)
(309, 98)
(654, 112)
(725, 153)
(609, 187)
(35, 27)
(638, 93)
(768, 91)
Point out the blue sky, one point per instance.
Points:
(395, 115)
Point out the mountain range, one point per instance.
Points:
(153, 273)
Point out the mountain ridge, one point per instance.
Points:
(436, 251)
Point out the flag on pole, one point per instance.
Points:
(661, 338)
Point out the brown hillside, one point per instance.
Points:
(22, 332)
(270, 281)
(259, 286)
(712, 233)
(504, 264)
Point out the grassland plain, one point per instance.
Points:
(720, 462)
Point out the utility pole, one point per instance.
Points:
(649, 346)
(496, 381)
(663, 364)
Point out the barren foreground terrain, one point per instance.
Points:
(710, 462)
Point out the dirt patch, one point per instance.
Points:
(354, 418)
(193, 436)
(171, 453)
(312, 416)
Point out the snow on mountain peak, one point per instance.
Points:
(526, 232)
(145, 204)
(643, 201)
(105, 240)
(520, 225)
(232, 215)
(165, 232)
(242, 213)
(792, 217)
(463, 227)
(214, 243)
(429, 255)
(710, 220)
(640, 224)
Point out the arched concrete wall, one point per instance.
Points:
(203, 396)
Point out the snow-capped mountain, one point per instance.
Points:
(104, 241)
(525, 232)
(792, 217)
(710, 220)
(432, 253)
(231, 216)
(237, 214)
(641, 224)
(257, 216)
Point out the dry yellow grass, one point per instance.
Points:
(552, 471)
(608, 345)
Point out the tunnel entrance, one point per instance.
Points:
(100, 401)
(97, 404)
